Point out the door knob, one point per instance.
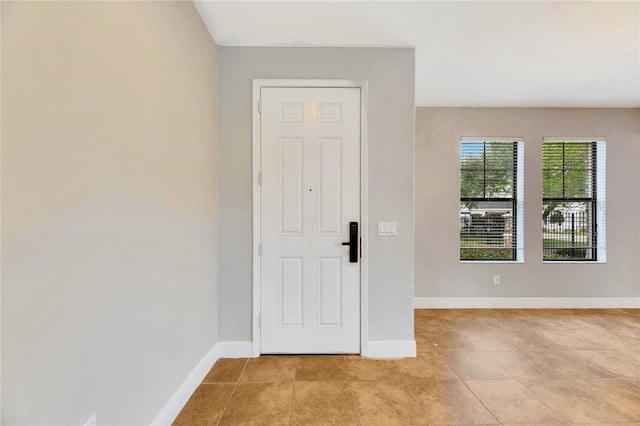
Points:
(353, 242)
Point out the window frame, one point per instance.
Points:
(516, 199)
(597, 198)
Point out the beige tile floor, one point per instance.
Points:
(473, 367)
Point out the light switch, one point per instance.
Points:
(387, 229)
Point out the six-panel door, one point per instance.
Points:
(310, 163)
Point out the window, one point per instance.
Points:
(491, 189)
(573, 184)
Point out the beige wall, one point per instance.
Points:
(390, 73)
(438, 271)
(108, 208)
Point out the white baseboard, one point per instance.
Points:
(236, 349)
(180, 397)
(526, 302)
(391, 349)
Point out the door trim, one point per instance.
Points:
(256, 142)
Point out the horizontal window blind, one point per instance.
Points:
(490, 177)
(573, 182)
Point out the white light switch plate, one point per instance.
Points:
(387, 229)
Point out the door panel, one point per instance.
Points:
(330, 184)
(310, 164)
(330, 291)
(291, 186)
(290, 292)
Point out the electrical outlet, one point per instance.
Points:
(496, 279)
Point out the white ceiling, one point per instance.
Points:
(519, 54)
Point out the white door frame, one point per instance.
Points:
(364, 261)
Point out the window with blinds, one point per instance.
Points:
(490, 193)
(573, 184)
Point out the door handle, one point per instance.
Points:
(353, 242)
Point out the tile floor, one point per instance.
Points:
(473, 367)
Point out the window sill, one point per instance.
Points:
(494, 262)
(575, 262)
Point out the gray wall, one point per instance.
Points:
(438, 271)
(390, 73)
(108, 208)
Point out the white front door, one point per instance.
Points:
(310, 193)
